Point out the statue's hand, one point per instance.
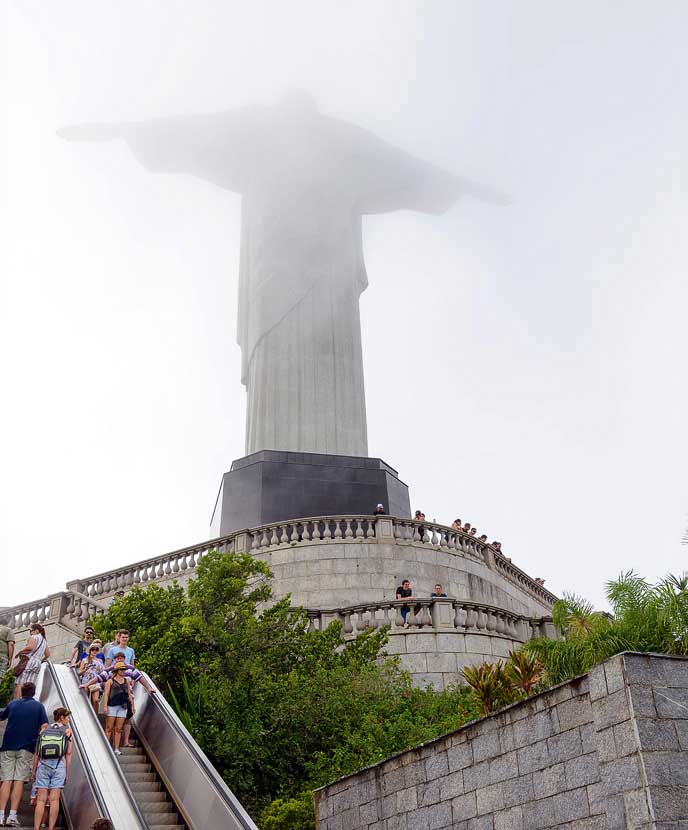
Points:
(90, 132)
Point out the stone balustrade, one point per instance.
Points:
(69, 608)
(85, 597)
(161, 568)
(445, 614)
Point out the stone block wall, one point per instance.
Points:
(606, 751)
(336, 574)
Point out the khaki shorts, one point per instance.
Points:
(16, 765)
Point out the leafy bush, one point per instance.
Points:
(278, 709)
(6, 688)
(645, 617)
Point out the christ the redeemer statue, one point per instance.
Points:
(306, 180)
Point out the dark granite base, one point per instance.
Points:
(273, 486)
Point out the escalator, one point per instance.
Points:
(165, 782)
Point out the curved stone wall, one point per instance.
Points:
(337, 574)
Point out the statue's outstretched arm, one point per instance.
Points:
(218, 148)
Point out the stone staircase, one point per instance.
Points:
(151, 796)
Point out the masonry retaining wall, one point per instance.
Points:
(606, 751)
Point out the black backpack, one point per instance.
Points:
(52, 743)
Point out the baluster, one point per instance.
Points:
(311, 623)
(471, 618)
(337, 529)
(361, 619)
(385, 617)
(41, 614)
(433, 539)
(459, 616)
(399, 530)
(167, 570)
(348, 534)
(481, 621)
(370, 530)
(137, 576)
(70, 606)
(398, 617)
(501, 623)
(416, 534)
(307, 532)
(412, 618)
(129, 578)
(359, 529)
(293, 535)
(255, 544)
(327, 533)
(444, 538)
(426, 619)
(160, 572)
(491, 621)
(264, 539)
(347, 627)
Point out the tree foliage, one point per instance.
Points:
(645, 617)
(278, 709)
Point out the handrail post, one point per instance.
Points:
(384, 529)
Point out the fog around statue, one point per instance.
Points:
(306, 181)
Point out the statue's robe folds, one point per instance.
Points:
(306, 181)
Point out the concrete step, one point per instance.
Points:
(145, 787)
(155, 807)
(164, 820)
(137, 777)
(152, 797)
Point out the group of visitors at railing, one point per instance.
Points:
(404, 591)
(37, 750)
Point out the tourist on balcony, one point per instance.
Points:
(117, 700)
(420, 517)
(80, 650)
(438, 593)
(30, 658)
(483, 538)
(25, 720)
(379, 510)
(89, 669)
(404, 592)
(467, 527)
(497, 546)
(6, 644)
(473, 531)
(456, 524)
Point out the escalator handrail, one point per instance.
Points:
(120, 773)
(83, 755)
(208, 769)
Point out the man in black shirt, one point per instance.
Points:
(437, 593)
(404, 592)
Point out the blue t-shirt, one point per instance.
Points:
(24, 720)
(129, 655)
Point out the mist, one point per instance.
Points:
(524, 361)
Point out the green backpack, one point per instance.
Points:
(52, 743)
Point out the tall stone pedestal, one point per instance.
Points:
(273, 486)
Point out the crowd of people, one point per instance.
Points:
(38, 750)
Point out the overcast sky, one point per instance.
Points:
(525, 365)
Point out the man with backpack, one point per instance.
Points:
(51, 766)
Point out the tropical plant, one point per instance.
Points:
(491, 686)
(524, 670)
(645, 617)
